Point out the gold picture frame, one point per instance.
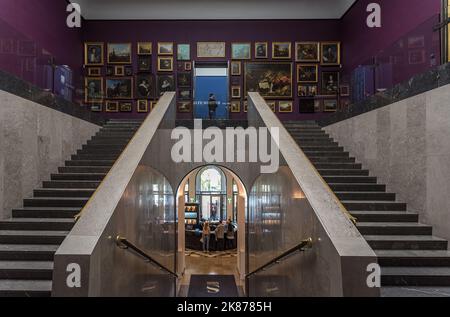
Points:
(88, 86)
(112, 106)
(312, 56)
(256, 69)
(305, 79)
(119, 71)
(333, 58)
(244, 53)
(165, 68)
(122, 58)
(285, 106)
(211, 49)
(258, 55)
(235, 106)
(94, 71)
(99, 46)
(236, 68)
(167, 46)
(272, 105)
(236, 92)
(278, 54)
(144, 48)
(142, 106)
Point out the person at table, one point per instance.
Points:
(220, 236)
(206, 234)
(229, 235)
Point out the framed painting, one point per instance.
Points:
(94, 71)
(97, 107)
(165, 83)
(330, 105)
(330, 83)
(281, 50)
(144, 48)
(144, 63)
(331, 53)
(307, 73)
(211, 49)
(307, 90)
(184, 80)
(165, 64)
(110, 71)
(142, 106)
(241, 51)
(285, 106)
(119, 53)
(307, 52)
(184, 106)
(128, 71)
(119, 71)
(145, 86)
(93, 91)
(126, 106)
(93, 54)
(112, 106)
(184, 94)
(188, 66)
(345, 90)
(119, 88)
(184, 52)
(273, 80)
(272, 105)
(236, 92)
(165, 48)
(235, 106)
(236, 68)
(261, 50)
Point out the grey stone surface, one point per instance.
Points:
(407, 145)
(34, 141)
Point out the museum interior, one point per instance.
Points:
(258, 148)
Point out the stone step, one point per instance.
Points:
(71, 184)
(373, 205)
(415, 276)
(21, 252)
(321, 159)
(55, 202)
(308, 134)
(90, 163)
(358, 187)
(394, 228)
(84, 169)
(26, 270)
(413, 257)
(118, 129)
(107, 141)
(314, 138)
(311, 154)
(361, 196)
(350, 179)
(112, 147)
(21, 288)
(406, 242)
(322, 148)
(63, 192)
(46, 224)
(46, 212)
(385, 216)
(312, 143)
(334, 166)
(100, 151)
(32, 237)
(343, 172)
(78, 177)
(95, 157)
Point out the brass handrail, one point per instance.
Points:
(305, 244)
(124, 244)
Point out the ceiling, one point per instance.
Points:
(212, 9)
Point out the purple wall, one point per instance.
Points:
(33, 31)
(227, 31)
(400, 19)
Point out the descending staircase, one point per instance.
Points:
(29, 240)
(413, 261)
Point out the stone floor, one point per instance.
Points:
(214, 263)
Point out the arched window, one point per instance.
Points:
(211, 193)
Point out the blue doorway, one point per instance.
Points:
(211, 79)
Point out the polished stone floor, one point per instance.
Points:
(214, 263)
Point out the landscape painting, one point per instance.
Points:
(119, 53)
(271, 80)
(211, 49)
(119, 88)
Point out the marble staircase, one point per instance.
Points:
(29, 240)
(412, 260)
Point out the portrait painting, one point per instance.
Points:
(211, 49)
(236, 92)
(165, 83)
(144, 63)
(165, 48)
(126, 106)
(330, 83)
(184, 79)
(307, 73)
(307, 90)
(281, 50)
(285, 106)
(184, 94)
(144, 86)
(93, 91)
(331, 53)
(112, 106)
(236, 68)
(119, 88)
(330, 105)
(235, 106)
(165, 64)
(119, 53)
(241, 51)
(142, 106)
(184, 52)
(144, 48)
(261, 50)
(307, 52)
(188, 66)
(93, 54)
(185, 106)
(271, 80)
